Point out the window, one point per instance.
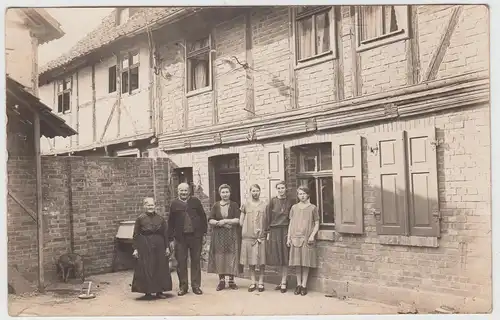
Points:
(379, 25)
(130, 72)
(64, 95)
(112, 79)
(315, 172)
(199, 64)
(314, 32)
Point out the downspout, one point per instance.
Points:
(39, 212)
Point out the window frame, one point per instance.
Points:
(189, 55)
(402, 33)
(317, 58)
(67, 90)
(129, 55)
(317, 175)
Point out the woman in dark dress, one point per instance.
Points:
(277, 252)
(152, 273)
(224, 254)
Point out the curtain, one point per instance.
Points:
(306, 41)
(322, 33)
(200, 74)
(371, 22)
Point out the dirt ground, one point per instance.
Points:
(113, 298)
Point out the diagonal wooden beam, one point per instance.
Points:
(444, 43)
(109, 121)
(22, 205)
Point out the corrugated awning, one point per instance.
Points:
(23, 103)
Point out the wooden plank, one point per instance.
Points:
(293, 59)
(215, 108)
(38, 161)
(356, 60)
(444, 43)
(77, 108)
(94, 116)
(22, 205)
(249, 101)
(412, 49)
(338, 66)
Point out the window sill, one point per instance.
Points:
(326, 235)
(318, 59)
(133, 93)
(410, 241)
(198, 91)
(385, 39)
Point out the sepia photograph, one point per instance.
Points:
(239, 160)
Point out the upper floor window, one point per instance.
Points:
(130, 72)
(315, 172)
(112, 79)
(379, 25)
(64, 95)
(314, 32)
(199, 64)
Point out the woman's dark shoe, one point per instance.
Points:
(160, 295)
(233, 286)
(303, 291)
(261, 287)
(283, 288)
(221, 285)
(278, 287)
(147, 296)
(252, 288)
(298, 289)
(182, 292)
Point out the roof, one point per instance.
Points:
(42, 24)
(50, 124)
(108, 32)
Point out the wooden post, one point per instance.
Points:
(38, 161)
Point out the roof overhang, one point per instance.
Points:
(43, 26)
(23, 104)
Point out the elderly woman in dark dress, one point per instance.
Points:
(152, 273)
(225, 242)
(277, 252)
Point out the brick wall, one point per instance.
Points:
(457, 272)
(92, 194)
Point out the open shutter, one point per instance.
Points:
(275, 168)
(348, 184)
(423, 188)
(389, 183)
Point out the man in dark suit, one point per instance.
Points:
(187, 224)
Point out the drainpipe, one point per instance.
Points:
(39, 212)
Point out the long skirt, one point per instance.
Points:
(224, 252)
(152, 272)
(277, 253)
(303, 256)
(253, 253)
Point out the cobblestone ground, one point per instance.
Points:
(113, 298)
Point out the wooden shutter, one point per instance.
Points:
(348, 184)
(275, 168)
(389, 183)
(423, 189)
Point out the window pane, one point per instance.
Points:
(67, 83)
(199, 71)
(309, 160)
(125, 62)
(305, 38)
(124, 81)
(66, 101)
(311, 184)
(372, 22)
(135, 58)
(325, 162)
(112, 79)
(322, 33)
(60, 103)
(199, 44)
(60, 86)
(134, 78)
(327, 207)
(390, 19)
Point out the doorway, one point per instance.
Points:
(226, 170)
